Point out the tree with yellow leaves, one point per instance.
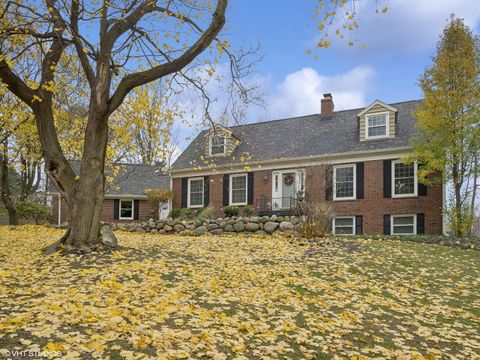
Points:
(448, 121)
(119, 46)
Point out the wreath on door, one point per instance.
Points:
(288, 179)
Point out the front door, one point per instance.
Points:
(288, 189)
(284, 189)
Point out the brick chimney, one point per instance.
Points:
(327, 106)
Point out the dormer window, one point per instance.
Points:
(377, 125)
(217, 145)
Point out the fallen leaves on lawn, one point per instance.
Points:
(168, 297)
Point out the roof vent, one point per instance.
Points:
(327, 106)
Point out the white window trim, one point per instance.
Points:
(387, 125)
(335, 167)
(404, 215)
(415, 180)
(120, 217)
(346, 217)
(203, 192)
(231, 189)
(210, 142)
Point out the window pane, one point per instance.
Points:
(218, 145)
(126, 209)
(344, 182)
(196, 199)
(239, 182)
(403, 229)
(403, 220)
(377, 131)
(377, 125)
(196, 186)
(196, 193)
(404, 178)
(239, 196)
(344, 222)
(239, 189)
(344, 230)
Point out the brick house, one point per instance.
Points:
(351, 159)
(125, 198)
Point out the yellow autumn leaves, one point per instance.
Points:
(234, 297)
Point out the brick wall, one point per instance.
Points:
(107, 211)
(372, 207)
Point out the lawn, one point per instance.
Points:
(170, 297)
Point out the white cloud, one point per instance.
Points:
(409, 26)
(300, 92)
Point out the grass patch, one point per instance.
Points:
(252, 297)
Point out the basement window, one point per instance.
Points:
(404, 224)
(344, 225)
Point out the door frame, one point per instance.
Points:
(277, 178)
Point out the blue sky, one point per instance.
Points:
(399, 45)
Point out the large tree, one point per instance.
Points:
(128, 44)
(119, 45)
(448, 121)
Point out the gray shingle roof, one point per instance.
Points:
(302, 136)
(132, 179)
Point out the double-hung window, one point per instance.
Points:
(377, 125)
(238, 189)
(344, 182)
(126, 210)
(404, 224)
(344, 225)
(195, 192)
(404, 179)
(217, 145)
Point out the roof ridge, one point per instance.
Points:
(315, 114)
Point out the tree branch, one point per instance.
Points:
(133, 80)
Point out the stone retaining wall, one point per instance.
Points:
(265, 225)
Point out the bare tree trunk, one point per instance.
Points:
(89, 193)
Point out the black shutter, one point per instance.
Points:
(116, 208)
(184, 192)
(360, 180)
(226, 192)
(387, 178)
(206, 191)
(136, 209)
(422, 188)
(420, 224)
(329, 184)
(250, 188)
(359, 225)
(386, 225)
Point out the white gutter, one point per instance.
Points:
(338, 158)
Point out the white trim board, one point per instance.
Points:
(377, 102)
(293, 163)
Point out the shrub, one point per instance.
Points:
(180, 213)
(33, 213)
(248, 210)
(205, 214)
(318, 218)
(155, 197)
(231, 210)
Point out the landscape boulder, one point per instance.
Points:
(108, 237)
(270, 227)
(239, 226)
(251, 226)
